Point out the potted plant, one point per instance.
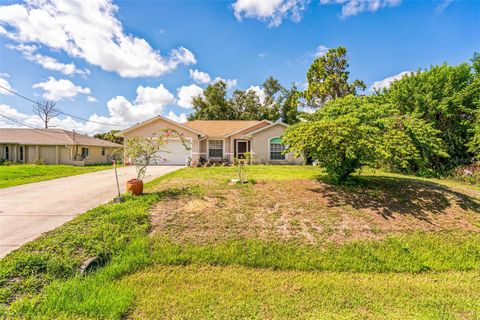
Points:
(143, 150)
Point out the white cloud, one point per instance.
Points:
(149, 103)
(29, 52)
(262, 55)
(60, 89)
(91, 99)
(88, 30)
(182, 118)
(200, 76)
(354, 7)
(4, 83)
(153, 96)
(273, 11)
(186, 94)
(320, 51)
(385, 83)
(442, 6)
(259, 91)
(230, 82)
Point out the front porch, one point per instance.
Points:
(224, 149)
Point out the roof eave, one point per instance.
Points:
(266, 127)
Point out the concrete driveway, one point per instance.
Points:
(29, 210)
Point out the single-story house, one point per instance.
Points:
(54, 146)
(218, 140)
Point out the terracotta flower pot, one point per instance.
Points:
(135, 187)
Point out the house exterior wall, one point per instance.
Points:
(203, 147)
(48, 154)
(64, 155)
(261, 147)
(31, 154)
(95, 155)
(148, 129)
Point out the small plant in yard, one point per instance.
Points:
(241, 164)
(143, 151)
(39, 162)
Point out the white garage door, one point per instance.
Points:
(174, 153)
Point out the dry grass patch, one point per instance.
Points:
(314, 212)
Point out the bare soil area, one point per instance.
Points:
(313, 212)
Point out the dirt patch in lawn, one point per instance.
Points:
(311, 212)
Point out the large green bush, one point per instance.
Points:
(354, 131)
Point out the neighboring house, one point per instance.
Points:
(54, 146)
(218, 140)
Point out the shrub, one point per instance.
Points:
(354, 131)
(5, 162)
(39, 162)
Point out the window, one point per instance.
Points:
(21, 153)
(103, 151)
(215, 148)
(276, 149)
(85, 153)
(6, 152)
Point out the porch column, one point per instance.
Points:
(37, 152)
(56, 155)
(15, 150)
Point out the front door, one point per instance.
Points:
(242, 147)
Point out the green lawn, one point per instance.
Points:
(288, 246)
(27, 173)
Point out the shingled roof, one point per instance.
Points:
(50, 137)
(218, 128)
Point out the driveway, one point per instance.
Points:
(29, 210)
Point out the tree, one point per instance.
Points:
(353, 131)
(142, 150)
(247, 105)
(328, 78)
(213, 104)
(289, 105)
(46, 110)
(447, 98)
(274, 95)
(110, 136)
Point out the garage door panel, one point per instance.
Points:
(173, 153)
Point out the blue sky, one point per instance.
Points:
(113, 62)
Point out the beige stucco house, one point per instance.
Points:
(54, 146)
(218, 140)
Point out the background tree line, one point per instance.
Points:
(278, 103)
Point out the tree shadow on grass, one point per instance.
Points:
(393, 195)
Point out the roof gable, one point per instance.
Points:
(277, 123)
(138, 125)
